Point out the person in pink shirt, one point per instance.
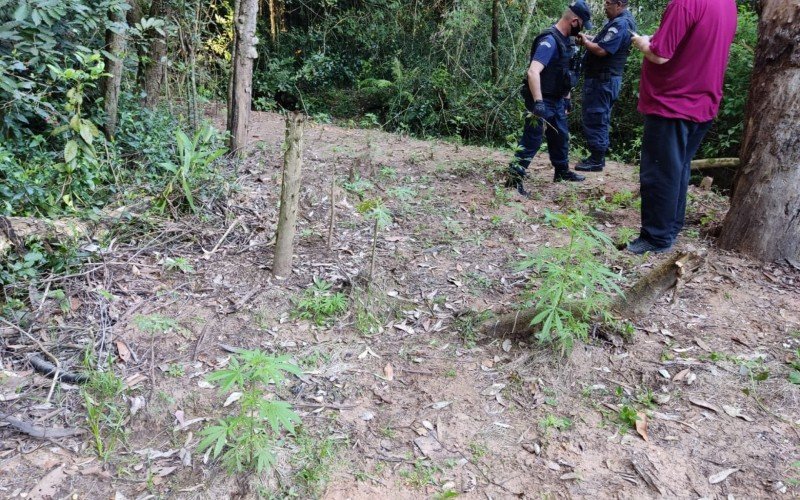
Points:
(679, 96)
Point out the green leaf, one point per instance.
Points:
(22, 12)
(794, 377)
(279, 414)
(216, 435)
(70, 151)
(86, 131)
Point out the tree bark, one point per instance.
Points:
(290, 190)
(153, 68)
(241, 86)
(764, 218)
(495, 40)
(116, 42)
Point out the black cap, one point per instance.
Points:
(580, 9)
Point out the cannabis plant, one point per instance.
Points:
(246, 440)
(574, 285)
(319, 303)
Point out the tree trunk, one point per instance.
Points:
(522, 37)
(495, 40)
(273, 21)
(116, 41)
(241, 86)
(764, 219)
(290, 191)
(153, 69)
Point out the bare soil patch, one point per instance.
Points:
(413, 402)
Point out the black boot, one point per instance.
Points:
(567, 175)
(515, 176)
(594, 163)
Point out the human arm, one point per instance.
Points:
(534, 79)
(595, 48)
(642, 42)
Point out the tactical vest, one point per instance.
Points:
(560, 74)
(613, 64)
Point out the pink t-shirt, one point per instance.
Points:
(696, 36)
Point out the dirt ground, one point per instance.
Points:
(413, 401)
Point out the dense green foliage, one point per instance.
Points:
(424, 67)
(53, 157)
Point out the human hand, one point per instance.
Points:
(641, 42)
(539, 109)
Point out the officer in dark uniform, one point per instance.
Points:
(604, 63)
(546, 90)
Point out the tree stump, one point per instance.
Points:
(290, 192)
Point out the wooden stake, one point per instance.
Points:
(290, 190)
(333, 211)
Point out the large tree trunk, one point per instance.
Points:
(153, 69)
(764, 219)
(116, 41)
(241, 86)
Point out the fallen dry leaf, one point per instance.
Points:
(721, 476)
(234, 397)
(736, 413)
(47, 487)
(681, 375)
(641, 425)
(493, 389)
(123, 351)
(702, 345)
(388, 371)
(704, 404)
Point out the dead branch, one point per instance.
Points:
(710, 163)
(38, 431)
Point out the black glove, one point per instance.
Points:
(568, 104)
(539, 109)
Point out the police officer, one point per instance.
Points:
(604, 63)
(546, 90)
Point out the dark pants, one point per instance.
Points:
(556, 132)
(599, 95)
(668, 146)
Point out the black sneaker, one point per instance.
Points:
(590, 165)
(640, 246)
(568, 175)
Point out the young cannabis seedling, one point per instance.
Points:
(246, 441)
(375, 210)
(628, 416)
(319, 304)
(574, 284)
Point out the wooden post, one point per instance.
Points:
(290, 190)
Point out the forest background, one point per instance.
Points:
(445, 69)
